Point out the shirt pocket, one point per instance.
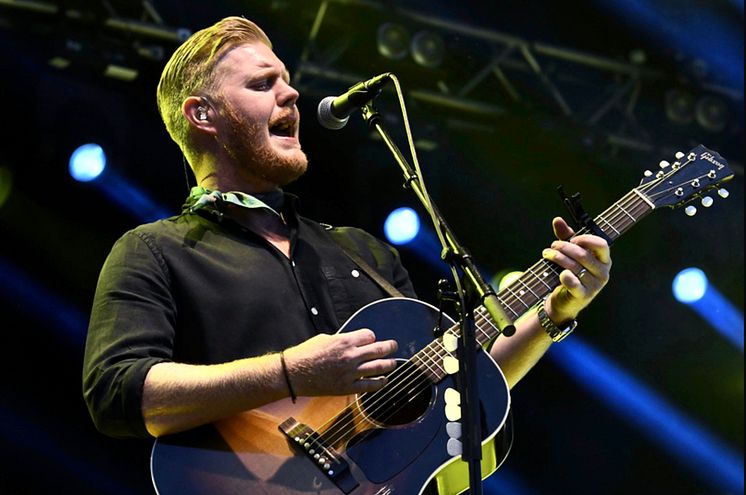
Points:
(349, 289)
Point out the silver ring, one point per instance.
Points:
(581, 273)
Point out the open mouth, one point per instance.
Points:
(283, 128)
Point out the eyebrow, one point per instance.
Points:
(266, 65)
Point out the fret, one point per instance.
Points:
(609, 224)
(424, 362)
(520, 280)
(627, 213)
(508, 289)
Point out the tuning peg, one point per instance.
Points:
(707, 201)
(690, 210)
(648, 173)
(723, 193)
(664, 164)
(679, 155)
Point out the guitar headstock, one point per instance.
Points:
(689, 177)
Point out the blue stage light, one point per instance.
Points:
(689, 285)
(402, 226)
(692, 288)
(87, 162)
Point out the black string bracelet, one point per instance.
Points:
(287, 376)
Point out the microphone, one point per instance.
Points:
(334, 111)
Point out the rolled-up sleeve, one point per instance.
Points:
(131, 328)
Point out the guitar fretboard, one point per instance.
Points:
(531, 287)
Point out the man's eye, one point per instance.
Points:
(261, 85)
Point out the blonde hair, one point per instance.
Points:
(190, 70)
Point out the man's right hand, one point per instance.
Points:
(340, 364)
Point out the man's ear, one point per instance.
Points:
(199, 113)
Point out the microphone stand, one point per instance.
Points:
(476, 289)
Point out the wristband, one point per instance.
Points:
(287, 376)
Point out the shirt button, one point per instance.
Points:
(292, 262)
(314, 311)
(355, 273)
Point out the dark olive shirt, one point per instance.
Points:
(199, 288)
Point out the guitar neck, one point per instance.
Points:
(542, 278)
(534, 284)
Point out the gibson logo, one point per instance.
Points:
(711, 158)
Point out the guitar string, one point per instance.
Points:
(550, 268)
(622, 209)
(391, 391)
(415, 373)
(400, 378)
(480, 312)
(403, 377)
(630, 209)
(420, 379)
(437, 353)
(543, 268)
(414, 377)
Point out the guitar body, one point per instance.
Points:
(404, 453)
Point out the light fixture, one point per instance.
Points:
(402, 226)
(711, 113)
(691, 287)
(393, 41)
(428, 49)
(679, 106)
(87, 162)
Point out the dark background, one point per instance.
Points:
(590, 114)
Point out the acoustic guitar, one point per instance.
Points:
(402, 439)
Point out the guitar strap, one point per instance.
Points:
(374, 275)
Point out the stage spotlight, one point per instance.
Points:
(87, 162)
(402, 226)
(428, 49)
(711, 113)
(692, 288)
(679, 106)
(689, 285)
(393, 41)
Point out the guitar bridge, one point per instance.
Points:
(326, 459)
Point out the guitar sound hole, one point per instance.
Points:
(404, 399)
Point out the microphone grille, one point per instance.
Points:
(327, 118)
